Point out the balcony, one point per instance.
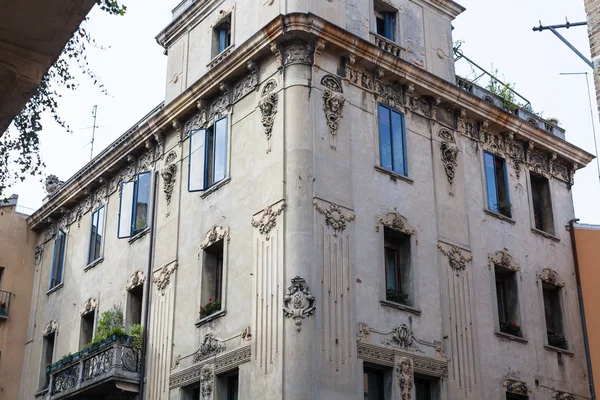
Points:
(387, 45)
(4, 304)
(108, 368)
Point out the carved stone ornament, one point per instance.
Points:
(136, 279)
(247, 84)
(335, 218)
(516, 387)
(268, 108)
(215, 234)
(403, 338)
(211, 346)
(449, 151)
(172, 156)
(50, 328)
(563, 396)
(363, 330)
(246, 334)
(168, 176)
(266, 220)
(503, 259)
(395, 221)
(405, 374)
(298, 303)
(333, 105)
(89, 306)
(39, 250)
(52, 184)
(206, 383)
(319, 47)
(297, 53)
(162, 277)
(457, 259)
(550, 276)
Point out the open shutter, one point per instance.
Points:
(54, 261)
(220, 149)
(196, 160)
(126, 209)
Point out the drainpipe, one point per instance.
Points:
(147, 291)
(582, 310)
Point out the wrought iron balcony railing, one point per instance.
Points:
(95, 370)
(4, 303)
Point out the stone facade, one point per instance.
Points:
(299, 219)
(592, 9)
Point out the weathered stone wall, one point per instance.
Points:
(592, 9)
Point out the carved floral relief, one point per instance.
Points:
(449, 151)
(266, 220)
(457, 258)
(211, 346)
(268, 108)
(333, 105)
(550, 276)
(162, 277)
(335, 217)
(215, 234)
(395, 221)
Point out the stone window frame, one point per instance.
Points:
(550, 235)
(214, 235)
(550, 276)
(507, 184)
(398, 21)
(396, 222)
(221, 17)
(407, 155)
(100, 258)
(65, 231)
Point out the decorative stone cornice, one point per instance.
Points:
(335, 217)
(211, 346)
(89, 306)
(162, 277)
(136, 279)
(386, 356)
(516, 387)
(396, 222)
(563, 396)
(457, 258)
(402, 338)
(503, 259)
(266, 219)
(215, 234)
(550, 276)
(50, 328)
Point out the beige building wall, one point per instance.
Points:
(17, 248)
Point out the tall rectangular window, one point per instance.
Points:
(96, 235)
(207, 160)
(228, 385)
(212, 279)
(87, 329)
(507, 300)
(384, 20)
(373, 384)
(553, 316)
(134, 205)
(392, 140)
(222, 36)
(191, 392)
(135, 297)
(397, 266)
(497, 184)
(47, 355)
(58, 259)
(542, 203)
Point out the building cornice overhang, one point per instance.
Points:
(258, 47)
(448, 7)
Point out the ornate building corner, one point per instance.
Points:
(335, 218)
(39, 250)
(563, 396)
(550, 276)
(297, 53)
(89, 306)
(268, 108)
(298, 303)
(211, 346)
(319, 47)
(215, 234)
(503, 259)
(333, 105)
(266, 219)
(136, 279)
(405, 376)
(50, 328)
(363, 330)
(168, 176)
(457, 258)
(402, 338)
(449, 151)
(162, 277)
(396, 222)
(516, 387)
(206, 383)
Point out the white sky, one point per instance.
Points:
(495, 32)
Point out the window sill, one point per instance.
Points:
(394, 176)
(220, 57)
(402, 307)
(139, 235)
(41, 392)
(559, 350)
(93, 264)
(508, 336)
(215, 187)
(55, 288)
(545, 234)
(499, 216)
(211, 317)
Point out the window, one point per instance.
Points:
(58, 259)
(133, 209)
(497, 184)
(385, 18)
(134, 305)
(553, 314)
(426, 388)
(397, 266)
(96, 235)
(542, 204)
(228, 385)
(507, 299)
(208, 156)
(47, 355)
(392, 148)
(222, 35)
(87, 329)
(511, 396)
(191, 392)
(377, 381)
(212, 279)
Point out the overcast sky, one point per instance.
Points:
(496, 32)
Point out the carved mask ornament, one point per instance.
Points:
(298, 303)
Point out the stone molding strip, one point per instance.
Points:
(386, 356)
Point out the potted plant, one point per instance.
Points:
(511, 328)
(210, 308)
(557, 340)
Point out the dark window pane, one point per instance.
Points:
(542, 204)
(373, 384)
(99, 234)
(58, 259)
(501, 298)
(385, 138)
(398, 143)
(502, 186)
(490, 179)
(549, 310)
(389, 26)
(391, 257)
(380, 25)
(422, 389)
(232, 387)
(142, 202)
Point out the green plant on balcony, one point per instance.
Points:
(511, 328)
(557, 340)
(135, 333)
(396, 296)
(210, 308)
(109, 325)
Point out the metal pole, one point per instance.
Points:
(94, 112)
(565, 41)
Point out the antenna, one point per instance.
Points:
(567, 25)
(94, 114)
